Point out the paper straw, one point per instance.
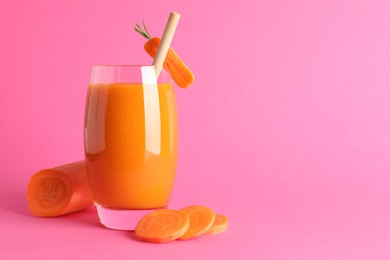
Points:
(165, 42)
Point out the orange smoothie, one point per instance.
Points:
(131, 144)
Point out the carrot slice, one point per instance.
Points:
(58, 191)
(220, 225)
(180, 72)
(201, 219)
(162, 226)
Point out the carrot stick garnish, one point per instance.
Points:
(220, 225)
(58, 191)
(201, 219)
(162, 226)
(180, 72)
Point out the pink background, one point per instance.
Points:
(286, 131)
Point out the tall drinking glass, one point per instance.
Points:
(130, 141)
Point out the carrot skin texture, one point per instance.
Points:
(180, 72)
(58, 191)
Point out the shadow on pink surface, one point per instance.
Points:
(15, 201)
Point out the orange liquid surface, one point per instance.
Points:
(131, 144)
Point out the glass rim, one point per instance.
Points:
(128, 72)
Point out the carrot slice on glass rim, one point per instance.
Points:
(180, 72)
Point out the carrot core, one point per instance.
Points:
(50, 192)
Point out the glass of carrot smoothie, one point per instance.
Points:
(130, 141)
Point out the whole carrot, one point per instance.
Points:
(180, 72)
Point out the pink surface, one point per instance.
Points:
(286, 130)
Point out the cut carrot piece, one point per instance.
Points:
(58, 191)
(201, 219)
(180, 72)
(162, 226)
(220, 225)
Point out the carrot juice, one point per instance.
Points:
(130, 142)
